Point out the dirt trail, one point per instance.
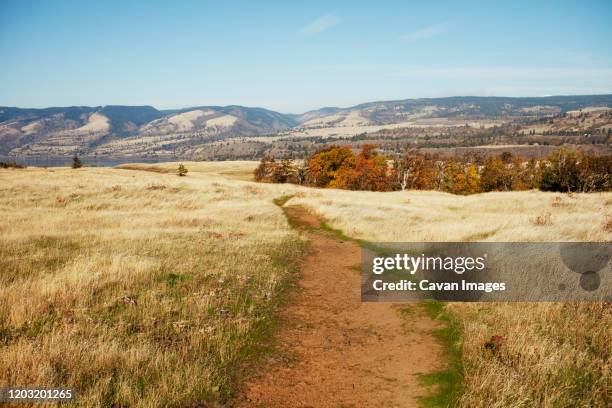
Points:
(336, 351)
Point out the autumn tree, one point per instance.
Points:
(415, 171)
(506, 157)
(461, 178)
(263, 171)
(524, 175)
(595, 173)
(370, 172)
(495, 176)
(272, 171)
(439, 174)
(325, 165)
(283, 172)
(339, 167)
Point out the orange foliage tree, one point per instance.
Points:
(325, 166)
(370, 172)
(339, 167)
(461, 178)
(415, 171)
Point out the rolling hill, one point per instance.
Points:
(144, 131)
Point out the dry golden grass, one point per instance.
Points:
(552, 354)
(148, 289)
(235, 170)
(136, 288)
(415, 216)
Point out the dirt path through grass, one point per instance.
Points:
(336, 351)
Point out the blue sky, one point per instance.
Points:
(293, 57)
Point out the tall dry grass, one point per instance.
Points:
(551, 354)
(145, 289)
(137, 288)
(416, 216)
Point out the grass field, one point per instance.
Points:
(553, 354)
(137, 288)
(147, 289)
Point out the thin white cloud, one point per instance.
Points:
(425, 33)
(319, 25)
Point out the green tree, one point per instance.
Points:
(76, 163)
(562, 172)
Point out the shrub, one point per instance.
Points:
(542, 220)
(76, 163)
(182, 170)
(607, 224)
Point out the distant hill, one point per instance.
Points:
(464, 107)
(145, 131)
(81, 130)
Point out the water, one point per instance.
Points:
(43, 161)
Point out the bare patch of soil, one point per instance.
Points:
(336, 351)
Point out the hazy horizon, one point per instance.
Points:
(293, 58)
(301, 112)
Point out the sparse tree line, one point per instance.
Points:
(588, 132)
(339, 167)
(12, 164)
